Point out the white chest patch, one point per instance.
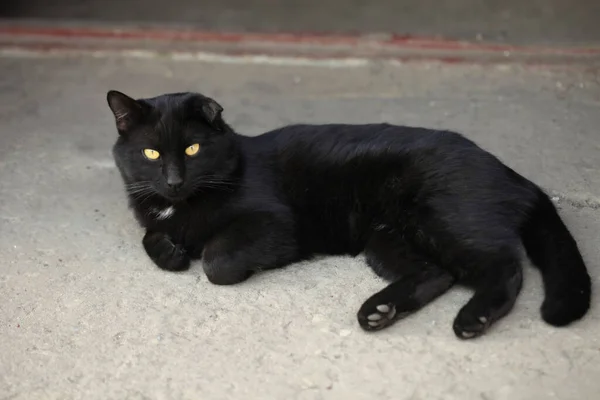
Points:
(164, 213)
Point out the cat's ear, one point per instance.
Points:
(127, 111)
(209, 110)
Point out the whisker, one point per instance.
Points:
(141, 192)
(137, 186)
(138, 183)
(139, 189)
(146, 197)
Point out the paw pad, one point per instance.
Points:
(468, 326)
(382, 316)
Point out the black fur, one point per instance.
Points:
(428, 208)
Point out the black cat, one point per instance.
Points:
(428, 208)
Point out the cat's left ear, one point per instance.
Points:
(127, 111)
(210, 111)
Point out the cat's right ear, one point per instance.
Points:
(127, 111)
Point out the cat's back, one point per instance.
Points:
(345, 136)
(341, 158)
(327, 173)
(336, 144)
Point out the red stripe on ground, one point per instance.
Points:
(399, 42)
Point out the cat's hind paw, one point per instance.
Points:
(376, 317)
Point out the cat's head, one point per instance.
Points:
(171, 145)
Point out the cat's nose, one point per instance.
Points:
(173, 175)
(174, 182)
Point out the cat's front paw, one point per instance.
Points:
(165, 254)
(219, 273)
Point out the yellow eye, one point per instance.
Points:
(151, 154)
(192, 150)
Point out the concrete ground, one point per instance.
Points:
(533, 22)
(85, 314)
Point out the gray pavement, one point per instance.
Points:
(84, 314)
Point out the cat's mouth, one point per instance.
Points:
(176, 197)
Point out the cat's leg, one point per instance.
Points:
(251, 243)
(417, 282)
(403, 297)
(165, 254)
(495, 294)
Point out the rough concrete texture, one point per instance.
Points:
(84, 314)
(549, 22)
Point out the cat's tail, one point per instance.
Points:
(551, 247)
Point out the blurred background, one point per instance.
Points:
(548, 22)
